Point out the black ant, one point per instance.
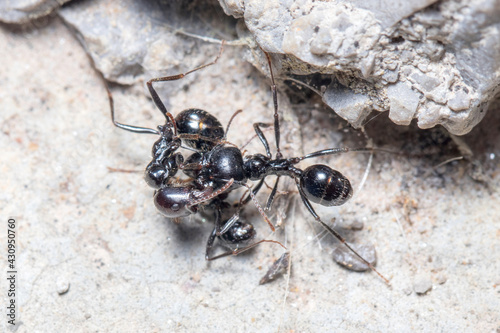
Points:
(317, 183)
(202, 133)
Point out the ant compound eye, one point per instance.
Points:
(325, 186)
(173, 201)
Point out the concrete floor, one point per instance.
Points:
(131, 270)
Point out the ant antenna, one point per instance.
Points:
(156, 99)
(230, 121)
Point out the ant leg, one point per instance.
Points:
(222, 230)
(197, 137)
(130, 128)
(213, 235)
(329, 151)
(156, 99)
(262, 137)
(335, 151)
(230, 121)
(206, 197)
(275, 102)
(259, 207)
(273, 193)
(255, 190)
(243, 249)
(190, 166)
(333, 232)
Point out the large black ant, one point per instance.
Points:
(317, 183)
(217, 167)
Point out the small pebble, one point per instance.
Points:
(349, 260)
(441, 279)
(62, 285)
(422, 286)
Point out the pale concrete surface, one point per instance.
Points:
(131, 270)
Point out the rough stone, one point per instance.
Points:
(422, 285)
(404, 103)
(24, 11)
(141, 39)
(349, 260)
(62, 285)
(448, 50)
(343, 101)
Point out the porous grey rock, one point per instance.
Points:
(438, 62)
(24, 11)
(343, 100)
(233, 7)
(404, 102)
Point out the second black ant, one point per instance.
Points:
(215, 168)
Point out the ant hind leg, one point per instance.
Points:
(333, 232)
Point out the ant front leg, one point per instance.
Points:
(213, 235)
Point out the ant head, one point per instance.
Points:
(174, 201)
(325, 186)
(161, 169)
(239, 233)
(154, 176)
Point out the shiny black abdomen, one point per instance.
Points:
(325, 186)
(199, 123)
